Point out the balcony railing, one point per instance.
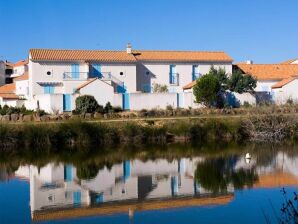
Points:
(75, 75)
(196, 75)
(79, 76)
(174, 79)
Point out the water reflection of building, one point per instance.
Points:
(137, 185)
(58, 186)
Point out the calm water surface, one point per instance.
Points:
(191, 187)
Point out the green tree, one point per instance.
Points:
(206, 89)
(86, 104)
(240, 83)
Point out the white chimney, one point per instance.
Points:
(249, 62)
(128, 49)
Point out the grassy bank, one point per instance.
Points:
(196, 130)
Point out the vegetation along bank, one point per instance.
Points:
(270, 128)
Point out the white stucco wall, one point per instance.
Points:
(265, 85)
(22, 88)
(102, 92)
(139, 101)
(48, 102)
(289, 91)
(11, 102)
(129, 76)
(159, 73)
(19, 70)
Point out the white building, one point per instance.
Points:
(55, 78)
(276, 82)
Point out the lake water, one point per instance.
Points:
(173, 185)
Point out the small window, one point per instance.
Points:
(49, 73)
(147, 73)
(121, 73)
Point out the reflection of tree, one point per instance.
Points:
(216, 174)
(87, 171)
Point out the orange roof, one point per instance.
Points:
(182, 56)
(9, 96)
(7, 63)
(289, 61)
(8, 88)
(269, 71)
(114, 208)
(190, 85)
(79, 55)
(283, 82)
(86, 83)
(25, 76)
(276, 179)
(123, 56)
(20, 63)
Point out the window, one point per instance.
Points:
(96, 71)
(147, 73)
(49, 73)
(195, 72)
(121, 73)
(48, 89)
(173, 75)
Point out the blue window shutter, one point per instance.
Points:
(75, 69)
(96, 70)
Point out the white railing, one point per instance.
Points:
(75, 75)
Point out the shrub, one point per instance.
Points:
(86, 104)
(108, 108)
(206, 90)
(159, 88)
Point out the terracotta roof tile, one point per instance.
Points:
(269, 71)
(122, 56)
(182, 56)
(25, 76)
(86, 83)
(190, 85)
(115, 208)
(283, 82)
(20, 63)
(8, 88)
(78, 55)
(9, 96)
(289, 61)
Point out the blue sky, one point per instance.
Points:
(264, 31)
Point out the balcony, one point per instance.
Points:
(196, 75)
(77, 76)
(174, 79)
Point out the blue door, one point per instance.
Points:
(66, 102)
(125, 101)
(77, 197)
(174, 185)
(68, 173)
(96, 71)
(180, 103)
(126, 169)
(75, 71)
